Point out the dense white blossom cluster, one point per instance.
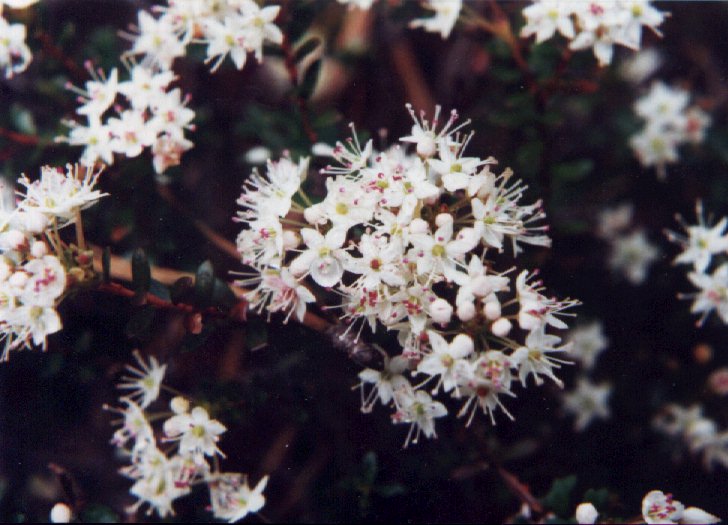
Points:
(162, 475)
(631, 251)
(588, 401)
(701, 247)
(596, 24)
(15, 55)
(657, 507)
(127, 117)
(699, 433)
(36, 267)
(409, 241)
(669, 123)
(231, 27)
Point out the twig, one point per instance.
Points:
(211, 235)
(292, 69)
(56, 52)
(20, 138)
(409, 72)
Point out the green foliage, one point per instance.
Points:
(558, 498)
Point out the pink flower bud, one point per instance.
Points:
(441, 311)
(418, 226)
(466, 311)
(18, 279)
(38, 249)
(501, 327)
(492, 310)
(13, 240)
(291, 239)
(426, 147)
(461, 345)
(443, 218)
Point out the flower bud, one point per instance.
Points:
(13, 240)
(38, 249)
(492, 310)
(60, 513)
(33, 221)
(291, 239)
(501, 327)
(426, 146)
(586, 514)
(18, 279)
(443, 218)
(440, 311)
(462, 345)
(179, 405)
(418, 226)
(466, 311)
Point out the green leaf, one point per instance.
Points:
(106, 264)
(559, 496)
(97, 513)
(597, 497)
(573, 170)
(369, 467)
(160, 290)
(204, 284)
(307, 47)
(222, 295)
(141, 273)
(310, 79)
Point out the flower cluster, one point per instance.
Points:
(699, 433)
(36, 266)
(234, 28)
(127, 117)
(657, 507)
(596, 24)
(631, 252)
(669, 123)
(162, 476)
(699, 247)
(403, 241)
(14, 52)
(588, 401)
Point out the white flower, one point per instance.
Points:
(658, 507)
(614, 221)
(231, 497)
(446, 14)
(447, 360)
(145, 381)
(544, 18)
(632, 255)
(587, 402)
(61, 195)
(197, 433)
(713, 294)
(702, 241)
(14, 53)
(587, 342)
(534, 359)
(385, 383)
(157, 482)
(324, 259)
(157, 41)
(278, 291)
(421, 411)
